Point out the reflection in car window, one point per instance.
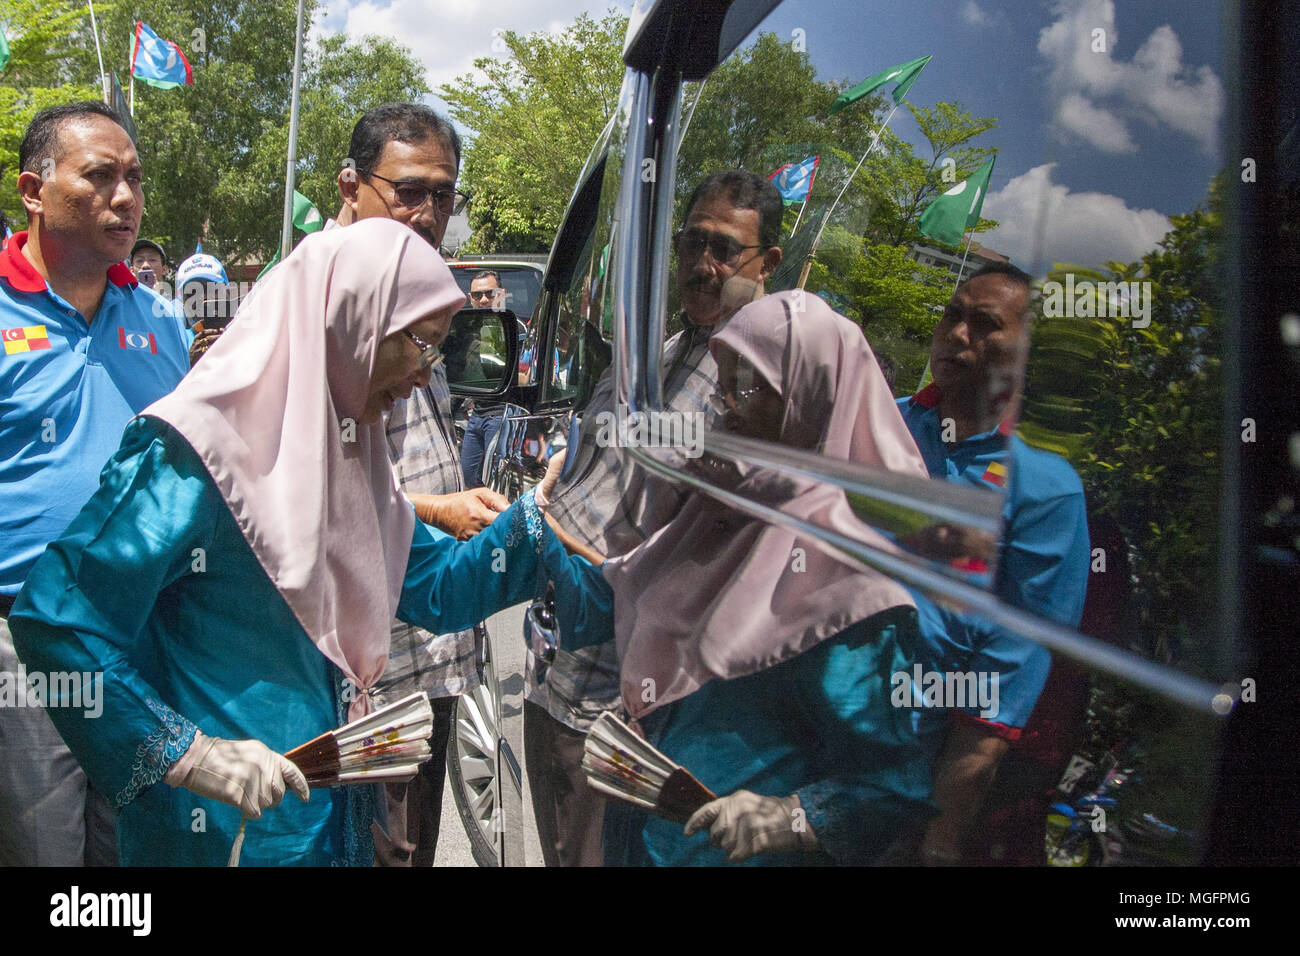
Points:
(583, 322)
(902, 178)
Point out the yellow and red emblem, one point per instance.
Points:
(995, 474)
(29, 338)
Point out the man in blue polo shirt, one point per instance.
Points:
(83, 348)
(962, 426)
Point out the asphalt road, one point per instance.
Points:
(506, 632)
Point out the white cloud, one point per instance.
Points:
(1102, 128)
(972, 14)
(1096, 94)
(1085, 228)
(448, 37)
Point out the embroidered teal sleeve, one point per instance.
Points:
(157, 752)
(87, 605)
(451, 585)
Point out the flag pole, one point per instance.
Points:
(690, 114)
(812, 252)
(801, 209)
(94, 29)
(286, 224)
(874, 141)
(960, 269)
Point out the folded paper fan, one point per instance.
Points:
(621, 764)
(387, 745)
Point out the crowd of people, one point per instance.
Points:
(252, 530)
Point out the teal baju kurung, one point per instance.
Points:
(821, 725)
(154, 586)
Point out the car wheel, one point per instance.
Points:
(472, 766)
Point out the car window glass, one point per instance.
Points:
(523, 284)
(1111, 406)
(580, 329)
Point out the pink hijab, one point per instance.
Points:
(274, 410)
(716, 595)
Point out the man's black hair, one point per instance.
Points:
(149, 244)
(1018, 276)
(745, 190)
(487, 273)
(41, 139)
(400, 122)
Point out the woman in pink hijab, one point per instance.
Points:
(749, 656)
(235, 577)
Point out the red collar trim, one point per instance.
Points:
(928, 397)
(23, 276)
(15, 267)
(121, 276)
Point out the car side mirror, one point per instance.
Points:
(481, 351)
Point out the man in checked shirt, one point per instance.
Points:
(726, 250)
(404, 163)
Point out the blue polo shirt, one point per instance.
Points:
(67, 389)
(1042, 562)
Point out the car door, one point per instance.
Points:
(611, 271)
(1160, 668)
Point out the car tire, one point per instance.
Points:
(472, 765)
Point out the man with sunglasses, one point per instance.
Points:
(726, 250)
(484, 421)
(403, 160)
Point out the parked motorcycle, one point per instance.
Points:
(1101, 818)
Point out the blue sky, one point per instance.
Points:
(1097, 147)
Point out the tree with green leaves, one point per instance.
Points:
(894, 298)
(534, 116)
(44, 69)
(1138, 412)
(911, 184)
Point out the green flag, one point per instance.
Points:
(306, 219)
(4, 50)
(904, 75)
(949, 216)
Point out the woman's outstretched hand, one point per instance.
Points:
(546, 487)
(463, 514)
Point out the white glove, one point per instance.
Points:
(243, 773)
(745, 825)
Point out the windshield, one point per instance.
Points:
(523, 283)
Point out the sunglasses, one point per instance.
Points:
(741, 397)
(447, 201)
(691, 244)
(430, 355)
